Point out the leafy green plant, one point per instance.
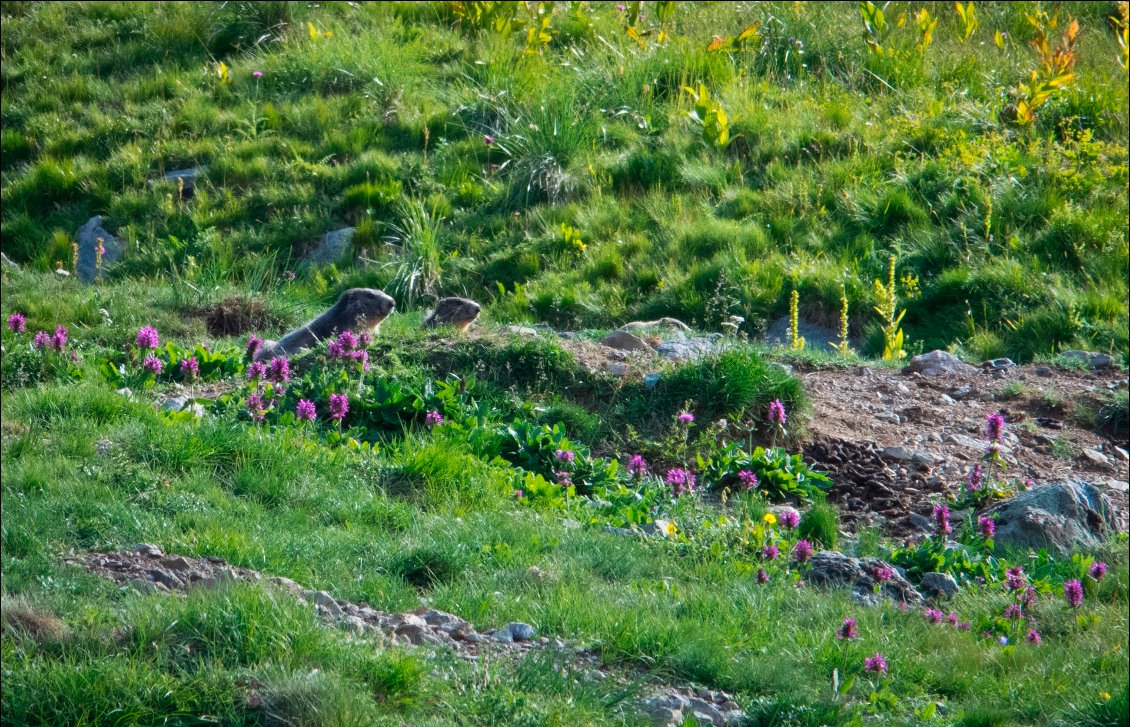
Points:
(891, 315)
(780, 476)
(1055, 71)
(710, 115)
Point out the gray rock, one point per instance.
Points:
(176, 562)
(920, 522)
(936, 363)
(147, 549)
(816, 337)
(1092, 359)
(624, 341)
(1061, 517)
(905, 454)
(333, 246)
(831, 568)
(1096, 457)
(183, 403)
(998, 364)
(690, 349)
(521, 331)
(521, 631)
(326, 601)
(616, 368)
(88, 237)
(650, 380)
(165, 578)
(658, 527)
(939, 585)
(186, 179)
(1122, 454)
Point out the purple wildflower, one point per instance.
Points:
(1003, 641)
(847, 630)
(59, 338)
(748, 479)
(1029, 484)
(1034, 638)
(975, 478)
(994, 427)
(256, 371)
(42, 340)
(190, 367)
(777, 413)
(1013, 612)
(1073, 592)
(339, 406)
(290, 275)
(564, 479)
(257, 74)
(933, 615)
(789, 519)
(279, 370)
(942, 519)
(964, 626)
(988, 527)
(255, 407)
(1028, 600)
(519, 494)
(1098, 570)
(147, 337)
(564, 454)
(680, 481)
(770, 552)
(365, 340)
(1014, 577)
(637, 465)
(802, 551)
(254, 344)
(153, 364)
(488, 140)
(433, 418)
(762, 576)
(686, 417)
(875, 663)
(305, 411)
(17, 323)
(884, 573)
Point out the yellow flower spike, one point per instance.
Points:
(770, 518)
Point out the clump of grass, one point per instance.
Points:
(820, 524)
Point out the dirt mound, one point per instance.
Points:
(237, 315)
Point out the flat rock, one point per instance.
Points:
(624, 341)
(905, 454)
(147, 549)
(1061, 517)
(938, 585)
(333, 246)
(831, 568)
(89, 237)
(690, 349)
(937, 363)
(520, 331)
(1092, 359)
(183, 403)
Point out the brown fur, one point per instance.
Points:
(457, 312)
(357, 310)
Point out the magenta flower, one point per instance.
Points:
(254, 344)
(279, 370)
(305, 411)
(339, 406)
(748, 479)
(42, 340)
(884, 573)
(964, 626)
(256, 371)
(789, 519)
(1073, 592)
(802, 551)
(488, 140)
(942, 519)
(153, 364)
(1014, 577)
(290, 275)
(1098, 570)
(994, 427)
(563, 479)
(875, 663)
(770, 552)
(433, 418)
(255, 407)
(952, 619)
(1029, 484)
(933, 615)
(637, 465)
(147, 337)
(344, 346)
(988, 527)
(190, 367)
(257, 74)
(564, 455)
(17, 323)
(365, 340)
(762, 576)
(777, 413)
(686, 417)
(680, 481)
(1028, 600)
(59, 338)
(519, 494)
(847, 630)
(975, 478)
(1033, 638)
(1012, 612)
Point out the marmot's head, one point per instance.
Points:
(458, 312)
(365, 308)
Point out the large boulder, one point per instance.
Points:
(1061, 517)
(690, 349)
(833, 569)
(937, 363)
(89, 237)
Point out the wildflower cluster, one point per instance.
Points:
(349, 346)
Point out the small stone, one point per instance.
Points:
(148, 550)
(176, 562)
(183, 403)
(141, 585)
(939, 585)
(936, 363)
(88, 238)
(650, 380)
(1122, 454)
(165, 578)
(658, 527)
(125, 391)
(617, 369)
(326, 601)
(520, 331)
(1096, 457)
(948, 400)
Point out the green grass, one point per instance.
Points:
(595, 202)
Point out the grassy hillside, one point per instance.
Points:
(560, 178)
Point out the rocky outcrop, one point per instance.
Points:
(1061, 517)
(937, 363)
(833, 569)
(89, 237)
(333, 246)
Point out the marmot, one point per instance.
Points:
(640, 327)
(358, 310)
(458, 312)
